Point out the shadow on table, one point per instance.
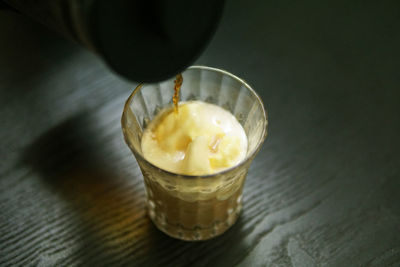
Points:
(106, 203)
(107, 206)
(225, 250)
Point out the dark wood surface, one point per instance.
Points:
(324, 190)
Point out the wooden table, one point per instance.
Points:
(324, 190)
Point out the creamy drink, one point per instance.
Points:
(199, 139)
(194, 155)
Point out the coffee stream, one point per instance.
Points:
(177, 88)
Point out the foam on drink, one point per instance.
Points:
(200, 139)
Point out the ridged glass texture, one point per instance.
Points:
(195, 207)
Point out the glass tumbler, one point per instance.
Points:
(190, 207)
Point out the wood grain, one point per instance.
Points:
(324, 190)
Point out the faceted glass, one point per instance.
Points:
(185, 206)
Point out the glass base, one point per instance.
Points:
(197, 233)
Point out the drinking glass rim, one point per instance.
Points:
(189, 176)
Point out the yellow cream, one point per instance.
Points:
(199, 139)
